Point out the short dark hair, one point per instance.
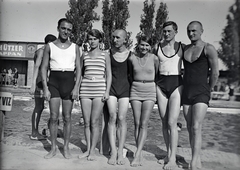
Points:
(63, 20)
(145, 38)
(49, 38)
(174, 25)
(96, 33)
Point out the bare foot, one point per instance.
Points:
(163, 161)
(120, 160)
(51, 154)
(195, 166)
(83, 155)
(136, 162)
(113, 159)
(66, 153)
(170, 165)
(91, 157)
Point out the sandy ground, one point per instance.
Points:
(220, 148)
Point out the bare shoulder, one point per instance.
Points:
(210, 47)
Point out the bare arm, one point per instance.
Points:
(156, 65)
(37, 63)
(213, 60)
(130, 69)
(75, 90)
(109, 76)
(44, 69)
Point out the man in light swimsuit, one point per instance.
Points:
(118, 101)
(169, 89)
(199, 58)
(63, 57)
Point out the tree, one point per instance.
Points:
(82, 15)
(230, 43)
(146, 24)
(115, 15)
(161, 17)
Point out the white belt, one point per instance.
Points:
(93, 78)
(167, 73)
(62, 69)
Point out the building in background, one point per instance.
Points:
(19, 55)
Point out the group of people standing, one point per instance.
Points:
(9, 76)
(107, 81)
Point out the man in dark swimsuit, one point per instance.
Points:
(199, 59)
(118, 101)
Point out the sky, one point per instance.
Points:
(32, 20)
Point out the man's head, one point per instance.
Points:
(170, 29)
(119, 38)
(64, 28)
(194, 30)
(49, 38)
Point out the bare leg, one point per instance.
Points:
(162, 102)
(146, 109)
(104, 143)
(123, 104)
(66, 112)
(112, 105)
(97, 106)
(36, 115)
(86, 105)
(173, 113)
(199, 111)
(54, 114)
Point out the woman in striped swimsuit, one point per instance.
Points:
(94, 90)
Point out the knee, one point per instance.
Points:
(143, 125)
(94, 122)
(196, 127)
(66, 119)
(172, 123)
(121, 119)
(112, 119)
(53, 121)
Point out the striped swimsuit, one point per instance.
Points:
(93, 82)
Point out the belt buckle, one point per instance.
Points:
(144, 81)
(93, 78)
(63, 70)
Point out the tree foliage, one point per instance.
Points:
(115, 15)
(82, 15)
(230, 43)
(161, 17)
(146, 23)
(147, 18)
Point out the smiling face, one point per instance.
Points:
(144, 47)
(93, 41)
(194, 31)
(65, 30)
(169, 33)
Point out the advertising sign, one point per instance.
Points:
(6, 101)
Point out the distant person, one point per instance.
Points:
(15, 77)
(4, 75)
(143, 68)
(9, 76)
(63, 58)
(118, 102)
(199, 58)
(94, 89)
(169, 89)
(231, 92)
(37, 89)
